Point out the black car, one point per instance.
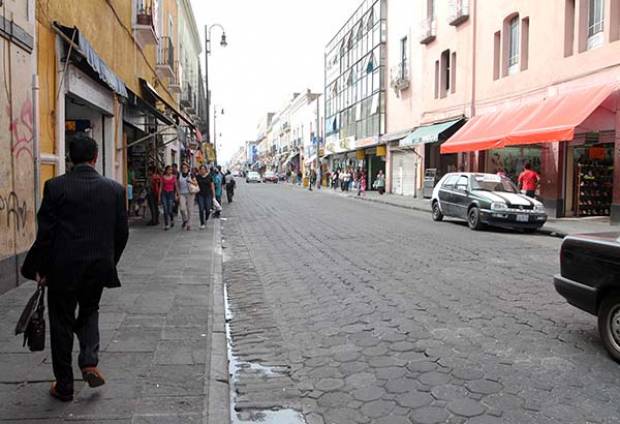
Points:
(486, 199)
(589, 279)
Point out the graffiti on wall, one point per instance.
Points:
(21, 127)
(13, 209)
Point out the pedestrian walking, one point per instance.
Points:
(336, 179)
(362, 183)
(217, 182)
(168, 195)
(528, 180)
(82, 232)
(380, 183)
(230, 183)
(205, 195)
(311, 178)
(152, 196)
(187, 188)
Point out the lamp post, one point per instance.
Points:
(215, 109)
(223, 43)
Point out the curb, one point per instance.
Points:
(217, 400)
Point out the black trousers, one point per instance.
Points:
(64, 323)
(153, 207)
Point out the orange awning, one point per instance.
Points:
(553, 119)
(556, 118)
(484, 132)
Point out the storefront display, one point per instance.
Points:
(511, 160)
(593, 180)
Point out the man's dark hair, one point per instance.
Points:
(82, 149)
(527, 165)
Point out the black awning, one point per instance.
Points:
(152, 93)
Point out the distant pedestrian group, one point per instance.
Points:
(178, 191)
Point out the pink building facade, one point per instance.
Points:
(467, 61)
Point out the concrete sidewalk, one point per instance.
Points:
(163, 343)
(559, 227)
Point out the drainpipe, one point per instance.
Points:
(35, 140)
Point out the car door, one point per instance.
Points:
(446, 196)
(460, 200)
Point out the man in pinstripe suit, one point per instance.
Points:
(82, 232)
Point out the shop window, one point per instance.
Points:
(596, 23)
(569, 27)
(496, 54)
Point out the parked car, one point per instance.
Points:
(270, 177)
(486, 199)
(253, 177)
(589, 279)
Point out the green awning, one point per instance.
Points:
(427, 134)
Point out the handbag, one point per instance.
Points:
(32, 321)
(193, 188)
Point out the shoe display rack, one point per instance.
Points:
(593, 189)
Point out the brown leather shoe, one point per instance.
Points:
(63, 397)
(93, 377)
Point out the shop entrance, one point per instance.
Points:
(589, 179)
(82, 117)
(374, 164)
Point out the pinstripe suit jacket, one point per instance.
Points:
(82, 231)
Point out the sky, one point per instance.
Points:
(275, 48)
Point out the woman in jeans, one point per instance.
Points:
(168, 194)
(205, 195)
(186, 197)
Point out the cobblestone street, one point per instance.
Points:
(364, 313)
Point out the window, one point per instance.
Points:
(525, 43)
(450, 181)
(436, 79)
(462, 183)
(596, 21)
(403, 58)
(513, 46)
(453, 74)
(430, 10)
(569, 27)
(445, 75)
(496, 54)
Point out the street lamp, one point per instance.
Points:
(215, 109)
(223, 43)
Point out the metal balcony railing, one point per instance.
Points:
(428, 30)
(459, 12)
(399, 76)
(145, 16)
(165, 56)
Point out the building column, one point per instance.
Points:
(552, 178)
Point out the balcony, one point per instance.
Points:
(145, 14)
(459, 12)
(399, 77)
(428, 30)
(187, 96)
(165, 58)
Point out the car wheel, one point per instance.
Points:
(609, 325)
(437, 215)
(473, 218)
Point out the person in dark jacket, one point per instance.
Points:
(82, 232)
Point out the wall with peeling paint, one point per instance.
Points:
(17, 187)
